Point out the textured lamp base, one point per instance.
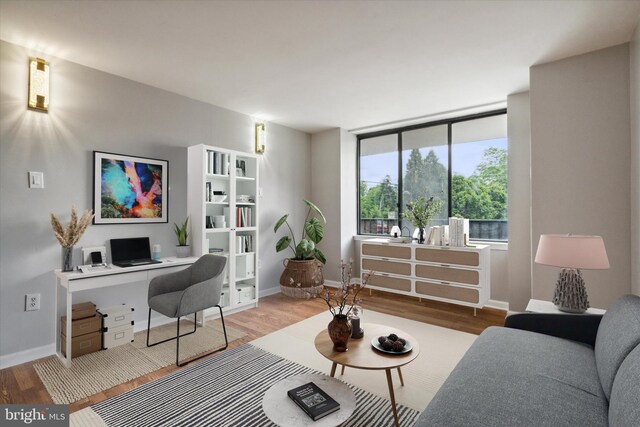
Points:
(570, 295)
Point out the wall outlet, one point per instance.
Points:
(32, 302)
(259, 263)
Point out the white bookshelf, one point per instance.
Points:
(238, 240)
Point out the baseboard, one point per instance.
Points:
(332, 283)
(269, 291)
(499, 305)
(25, 356)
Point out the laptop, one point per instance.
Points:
(131, 252)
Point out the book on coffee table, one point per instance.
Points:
(313, 400)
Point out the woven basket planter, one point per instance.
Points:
(301, 279)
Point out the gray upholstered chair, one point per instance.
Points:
(188, 291)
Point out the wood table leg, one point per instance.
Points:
(400, 375)
(333, 369)
(392, 397)
(342, 370)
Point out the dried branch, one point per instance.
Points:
(70, 235)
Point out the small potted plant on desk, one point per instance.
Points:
(182, 249)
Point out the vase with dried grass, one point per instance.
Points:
(70, 235)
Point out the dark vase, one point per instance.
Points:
(339, 332)
(67, 258)
(421, 235)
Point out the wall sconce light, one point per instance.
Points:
(38, 84)
(261, 138)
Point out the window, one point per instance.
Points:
(378, 184)
(462, 161)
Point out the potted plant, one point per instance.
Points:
(342, 302)
(420, 212)
(302, 275)
(182, 249)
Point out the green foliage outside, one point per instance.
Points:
(483, 195)
(378, 201)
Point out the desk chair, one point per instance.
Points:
(193, 289)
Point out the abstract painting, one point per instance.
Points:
(129, 189)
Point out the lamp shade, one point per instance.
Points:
(395, 230)
(571, 251)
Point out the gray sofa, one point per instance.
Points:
(574, 370)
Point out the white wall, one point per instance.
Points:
(333, 189)
(580, 167)
(325, 193)
(519, 203)
(348, 196)
(92, 110)
(634, 50)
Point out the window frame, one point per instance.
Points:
(398, 132)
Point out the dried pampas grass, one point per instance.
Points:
(70, 236)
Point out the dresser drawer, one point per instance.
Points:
(448, 256)
(386, 251)
(386, 266)
(389, 282)
(449, 292)
(446, 274)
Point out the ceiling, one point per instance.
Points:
(314, 65)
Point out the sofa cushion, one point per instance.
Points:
(512, 377)
(618, 334)
(624, 407)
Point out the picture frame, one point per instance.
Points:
(129, 189)
(241, 168)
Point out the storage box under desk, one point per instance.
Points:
(82, 344)
(83, 310)
(113, 337)
(117, 325)
(82, 326)
(118, 315)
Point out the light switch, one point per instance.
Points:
(36, 180)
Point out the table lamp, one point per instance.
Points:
(571, 253)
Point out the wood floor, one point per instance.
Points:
(21, 384)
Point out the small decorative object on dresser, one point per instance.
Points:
(70, 235)
(420, 212)
(572, 253)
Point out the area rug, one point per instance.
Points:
(99, 371)
(226, 390)
(440, 351)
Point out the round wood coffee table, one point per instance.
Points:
(361, 355)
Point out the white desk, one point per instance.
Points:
(77, 281)
(539, 306)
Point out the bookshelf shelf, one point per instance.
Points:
(214, 171)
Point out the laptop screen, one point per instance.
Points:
(129, 249)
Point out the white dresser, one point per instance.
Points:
(449, 274)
